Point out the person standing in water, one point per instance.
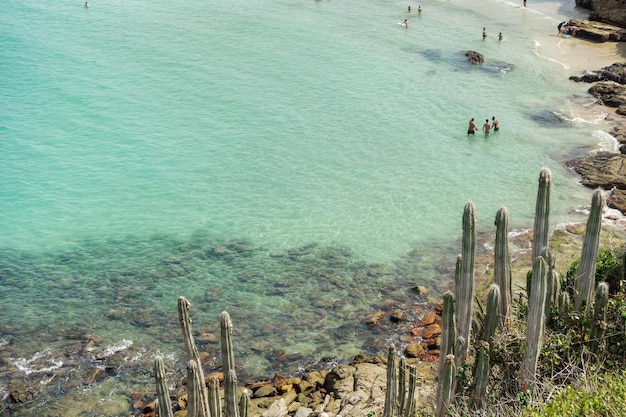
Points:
(86, 5)
(406, 23)
(419, 9)
(495, 124)
(486, 128)
(409, 8)
(471, 129)
(500, 36)
(484, 33)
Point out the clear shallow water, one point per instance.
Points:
(273, 159)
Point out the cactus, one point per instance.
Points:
(502, 268)
(392, 384)
(446, 386)
(215, 405)
(552, 286)
(541, 227)
(163, 404)
(197, 405)
(481, 371)
(448, 334)
(491, 318)
(409, 405)
(464, 283)
(401, 385)
(481, 374)
(598, 324)
(228, 364)
(585, 279)
(534, 323)
(201, 401)
(564, 303)
(244, 403)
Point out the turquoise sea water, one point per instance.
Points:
(294, 163)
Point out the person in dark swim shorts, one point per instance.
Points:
(495, 124)
(472, 128)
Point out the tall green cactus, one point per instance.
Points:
(392, 384)
(481, 374)
(163, 406)
(195, 375)
(491, 317)
(448, 330)
(244, 403)
(464, 284)
(228, 364)
(598, 324)
(197, 405)
(401, 385)
(585, 279)
(446, 386)
(502, 274)
(541, 228)
(534, 323)
(409, 404)
(215, 404)
(481, 371)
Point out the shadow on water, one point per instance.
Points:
(103, 309)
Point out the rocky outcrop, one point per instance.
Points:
(474, 57)
(615, 73)
(609, 11)
(604, 170)
(598, 31)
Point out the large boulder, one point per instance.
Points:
(609, 11)
(598, 31)
(604, 170)
(609, 93)
(474, 57)
(615, 73)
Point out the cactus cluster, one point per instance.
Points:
(544, 293)
(203, 402)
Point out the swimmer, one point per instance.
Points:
(406, 23)
(86, 5)
(419, 9)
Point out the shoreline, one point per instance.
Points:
(574, 62)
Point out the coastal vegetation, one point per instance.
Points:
(554, 346)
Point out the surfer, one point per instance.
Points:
(471, 129)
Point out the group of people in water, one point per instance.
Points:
(406, 21)
(487, 127)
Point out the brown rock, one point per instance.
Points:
(374, 318)
(414, 350)
(396, 315)
(428, 318)
(431, 331)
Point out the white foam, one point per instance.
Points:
(606, 142)
(40, 362)
(122, 345)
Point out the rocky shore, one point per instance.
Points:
(607, 170)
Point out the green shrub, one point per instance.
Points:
(600, 395)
